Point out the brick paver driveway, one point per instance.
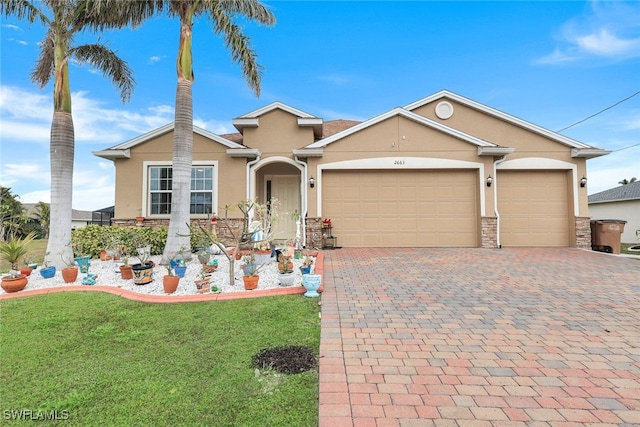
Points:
(482, 337)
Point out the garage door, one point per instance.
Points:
(534, 208)
(402, 208)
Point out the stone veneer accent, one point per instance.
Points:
(314, 233)
(583, 232)
(489, 225)
(489, 238)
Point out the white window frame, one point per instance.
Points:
(146, 199)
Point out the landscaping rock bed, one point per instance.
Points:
(108, 275)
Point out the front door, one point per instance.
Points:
(286, 189)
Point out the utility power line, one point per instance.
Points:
(600, 112)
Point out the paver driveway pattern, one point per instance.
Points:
(482, 337)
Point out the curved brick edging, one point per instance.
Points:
(169, 299)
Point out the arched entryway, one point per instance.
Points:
(280, 178)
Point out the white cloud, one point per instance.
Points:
(609, 30)
(155, 58)
(15, 172)
(13, 27)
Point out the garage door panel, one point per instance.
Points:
(403, 208)
(533, 207)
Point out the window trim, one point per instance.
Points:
(147, 164)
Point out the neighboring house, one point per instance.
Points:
(622, 203)
(444, 171)
(79, 218)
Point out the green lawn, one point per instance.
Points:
(105, 360)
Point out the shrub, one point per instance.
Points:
(94, 238)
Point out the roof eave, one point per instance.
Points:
(249, 153)
(495, 151)
(242, 123)
(588, 153)
(113, 154)
(308, 152)
(312, 122)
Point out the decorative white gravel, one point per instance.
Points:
(108, 274)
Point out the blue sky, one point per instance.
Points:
(550, 63)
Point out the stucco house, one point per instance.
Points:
(444, 171)
(621, 203)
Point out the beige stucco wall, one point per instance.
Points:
(277, 134)
(129, 176)
(527, 144)
(396, 138)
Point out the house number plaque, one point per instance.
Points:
(398, 162)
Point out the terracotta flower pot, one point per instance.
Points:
(170, 283)
(14, 284)
(69, 274)
(26, 271)
(250, 282)
(126, 273)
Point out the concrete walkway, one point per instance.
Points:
(479, 337)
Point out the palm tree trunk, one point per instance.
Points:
(178, 234)
(180, 220)
(61, 154)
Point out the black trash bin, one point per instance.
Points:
(606, 235)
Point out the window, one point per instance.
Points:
(160, 188)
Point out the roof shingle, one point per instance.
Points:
(629, 191)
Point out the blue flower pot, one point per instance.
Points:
(311, 283)
(48, 272)
(84, 263)
(305, 270)
(180, 270)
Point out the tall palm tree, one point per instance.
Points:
(627, 181)
(63, 20)
(221, 15)
(43, 215)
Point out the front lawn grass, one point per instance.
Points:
(110, 361)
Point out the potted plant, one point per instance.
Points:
(27, 268)
(47, 271)
(202, 283)
(178, 264)
(211, 266)
(286, 276)
(306, 264)
(126, 272)
(14, 281)
(81, 255)
(250, 272)
(70, 272)
(14, 248)
(143, 271)
(170, 281)
(139, 218)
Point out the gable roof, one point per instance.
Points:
(629, 191)
(122, 150)
(578, 148)
(252, 118)
(401, 112)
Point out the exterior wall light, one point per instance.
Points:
(312, 182)
(489, 181)
(583, 182)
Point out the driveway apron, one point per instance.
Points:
(482, 337)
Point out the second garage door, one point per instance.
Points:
(412, 208)
(534, 208)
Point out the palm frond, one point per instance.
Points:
(43, 70)
(107, 61)
(23, 9)
(239, 45)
